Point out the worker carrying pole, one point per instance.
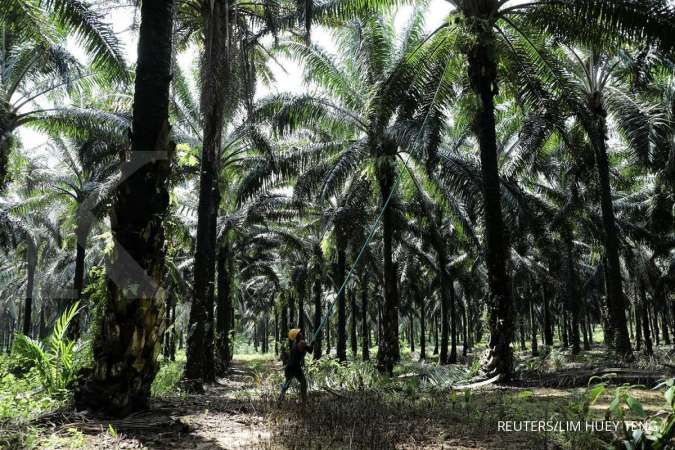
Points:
(294, 363)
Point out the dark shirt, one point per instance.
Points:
(297, 357)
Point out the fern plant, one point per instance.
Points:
(53, 361)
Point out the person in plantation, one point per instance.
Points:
(294, 361)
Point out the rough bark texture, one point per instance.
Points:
(199, 364)
(435, 352)
(571, 289)
(483, 75)
(533, 327)
(316, 290)
(445, 301)
(125, 350)
(342, 318)
(423, 336)
(302, 278)
(365, 330)
(548, 329)
(615, 301)
(649, 350)
(224, 310)
(352, 324)
(283, 332)
(81, 234)
(465, 332)
(7, 125)
(31, 262)
(452, 358)
(388, 352)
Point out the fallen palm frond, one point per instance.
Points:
(477, 384)
(443, 376)
(581, 377)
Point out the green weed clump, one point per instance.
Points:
(22, 397)
(353, 376)
(168, 378)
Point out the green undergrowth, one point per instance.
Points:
(418, 404)
(22, 395)
(23, 398)
(167, 381)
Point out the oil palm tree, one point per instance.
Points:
(83, 180)
(231, 59)
(35, 63)
(126, 348)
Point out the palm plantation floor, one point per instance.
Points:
(240, 412)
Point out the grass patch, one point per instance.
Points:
(167, 381)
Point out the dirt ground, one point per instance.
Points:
(240, 413)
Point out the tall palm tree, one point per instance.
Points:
(84, 180)
(126, 348)
(35, 63)
(232, 55)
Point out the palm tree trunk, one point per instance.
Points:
(584, 328)
(327, 328)
(365, 331)
(7, 125)
(483, 76)
(411, 331)
(284, 323)
(339, 280)
(167, 325)
(223, 309)
(655, 325)
(533, 327)
(548, 330)
(649, 350)
(301, 301)
(78, 281)
(615, 300)
(465, 331)
(638, 326)
(172, 336)
(571, 289)
(664, 327)
(435, 352)
(126, 348)
(452, 359)
(199, 364)
(444, 286)
(352, 324)
(276, 331)
(317, 302)
(388, 352)
(31, 262)
(291, 309)
(423, 337)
